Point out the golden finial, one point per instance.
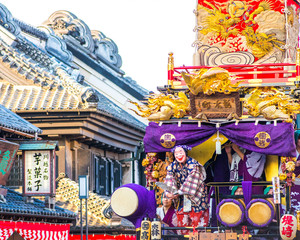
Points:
(298, 57)
(298, 66)
(171, 61)
(170, 69)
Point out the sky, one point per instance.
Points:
(144, 31)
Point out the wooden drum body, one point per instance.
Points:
(231, 212)
(260, 212)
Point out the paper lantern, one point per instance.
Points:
(145, 229)
(288, 227)
(155, 229)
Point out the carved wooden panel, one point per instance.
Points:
(218, 105)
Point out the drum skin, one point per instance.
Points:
(124, 201)
(231, 212)
(260, 212)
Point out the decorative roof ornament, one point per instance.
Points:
(106, 48)
(7, 21)
(56, 46)
(66, 25)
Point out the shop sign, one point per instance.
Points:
(38, 172)
(8, 153)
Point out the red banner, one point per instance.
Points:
(35, 230)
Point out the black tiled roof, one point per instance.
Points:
(31, 29)
(15, 205)
(13, 121)
(111, 108)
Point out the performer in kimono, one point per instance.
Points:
(186, 178)
(167, 214)
(251, 168)
(295, 190)
(218, 167)
(218, 170)
(234, 159)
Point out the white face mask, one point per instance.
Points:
(180, 155)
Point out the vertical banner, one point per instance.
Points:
(276, 190)
(38, 171)
(8, 152)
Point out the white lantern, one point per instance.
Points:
(288, 227)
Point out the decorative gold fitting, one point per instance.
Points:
(171, 61)
(298, 220)
(298, 57)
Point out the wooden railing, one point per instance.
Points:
(275, 74)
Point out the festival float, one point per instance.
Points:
(243, 91)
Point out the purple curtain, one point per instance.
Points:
(266, 139)
(187, 134)
(279, 141)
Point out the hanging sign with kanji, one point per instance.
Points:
(38, 172)
(8, 152)
(288, 227)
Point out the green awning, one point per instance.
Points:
(39, 145)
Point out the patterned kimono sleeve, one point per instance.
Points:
(192, 182)
(170, 180)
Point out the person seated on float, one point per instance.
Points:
(166, 213)
(295, 190)
(218, 170)
(186, 177)
(218, 167)
(251, 167)
(234, 159)
(269, 191)
(237, 190)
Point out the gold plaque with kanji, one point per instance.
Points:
(218, 105)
